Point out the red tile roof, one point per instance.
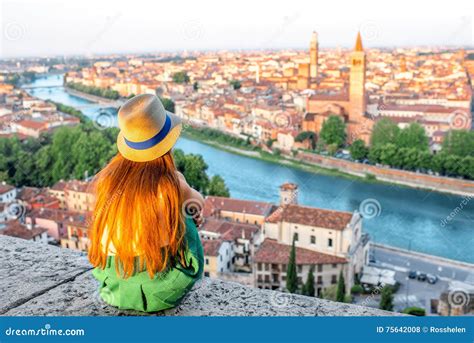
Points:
(32, 124)
(297, 214)
(288, 186)
(270, 251)
(213, 205)
(4, 188)
(211, 247)
(15, 229)
(230, 231)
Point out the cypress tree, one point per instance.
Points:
(341, 288)
(386, 301)
(291, 276)
(308, 288)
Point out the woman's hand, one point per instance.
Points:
(193, 202)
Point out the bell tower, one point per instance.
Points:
(357, 95)
(313, 55)
(288, 194)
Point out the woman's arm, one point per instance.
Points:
(192, 198)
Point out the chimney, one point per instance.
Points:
(288, 194)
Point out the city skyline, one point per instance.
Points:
(108, 28)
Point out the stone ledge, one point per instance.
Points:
(39, 280)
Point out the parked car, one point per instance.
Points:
(421, 277)
(412, 274)
(432, 279)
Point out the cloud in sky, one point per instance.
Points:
(53, 27)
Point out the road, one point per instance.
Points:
(413, 292)
(401, 261)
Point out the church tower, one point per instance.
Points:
(313, 55)
(357, 95)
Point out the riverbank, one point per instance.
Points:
(324, 169)
(94, 98)
(267, 157)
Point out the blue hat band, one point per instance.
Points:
(149, 143)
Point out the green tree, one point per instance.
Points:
(358, 150)
(332, 149)
(459, 142)
(217, 187)
(452, 165)
(168, 104)
(308, 288)
(291, 276)
(388, 154)
(195, 86)
(413, 137)
(386, 300)
(333, 131)
(270, 142)
(384, 131)
(180, 77)
(307, 136)
(375, 153)
(341, 288)
(235, 84)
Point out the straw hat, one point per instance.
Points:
(147, 130)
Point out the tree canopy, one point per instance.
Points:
(180, 77)
(384, 131)
(333, 131)
(413, 136)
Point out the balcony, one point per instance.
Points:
(43, 280)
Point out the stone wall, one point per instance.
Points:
(42, 280)
(403, 177)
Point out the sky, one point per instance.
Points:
(91, 27)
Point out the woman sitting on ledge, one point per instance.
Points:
(146, 250)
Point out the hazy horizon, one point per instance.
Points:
(53, 28)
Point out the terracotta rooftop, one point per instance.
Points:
(230, 231)
(4, 188)
(297, 214)
(73, 185)
(15, 229)
(211, 247)
(213, 204)
(58, 215)
(271, 251)
(288, 186)
(330, 97)
(28, 193)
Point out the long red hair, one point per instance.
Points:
(138, 209)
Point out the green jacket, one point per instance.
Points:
(140, 292)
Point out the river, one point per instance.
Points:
(408, 218)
